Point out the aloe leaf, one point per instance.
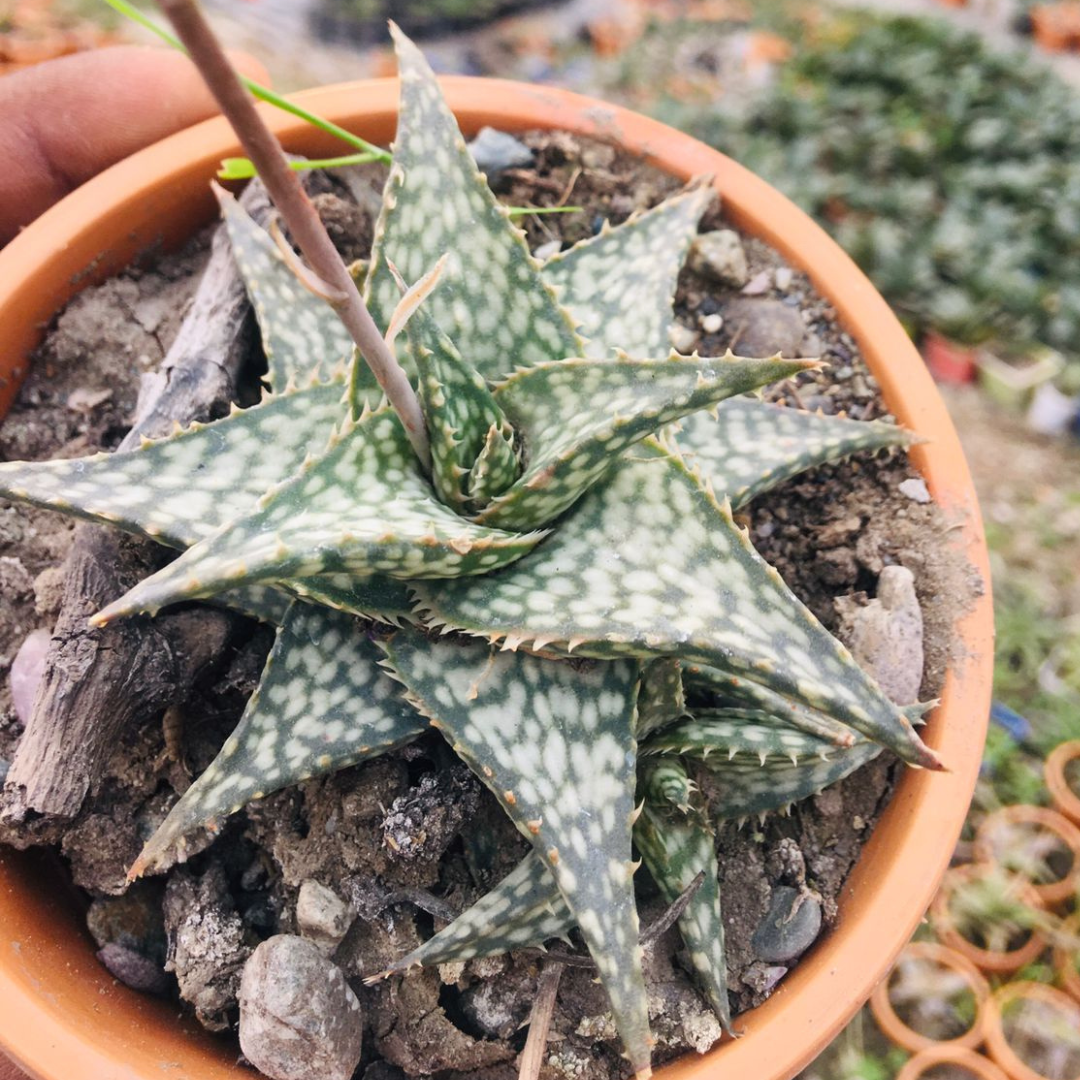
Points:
(751, 446)
(743, 787)
(525, 909)
(576, 416)
(620, 284)
(740, 692)
(495, 469)
(665, 781)
(491, 300)
(554, 742)
(676, 846)
(732, 732)
(323, 703)
(181, 489)
(377, 597)
(661, 699)
(361, 508)
(647, 564)
(459, 408)
(299, 329)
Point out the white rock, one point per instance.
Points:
(915, 488)
(719, 255)
(322, 916)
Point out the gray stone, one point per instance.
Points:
(322, 916)
(789, 928)
(719, 256)
(493, 151)
(885, 634)
(298, 1016)
(134, 970)
(763, 327)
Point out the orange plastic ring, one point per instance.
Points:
(997, 1042)
(981, 1068)
(1065, 959)
(1065, 799)
(1050, 893)
(908, 1037)
(987, 960)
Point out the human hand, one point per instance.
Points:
(66, 120)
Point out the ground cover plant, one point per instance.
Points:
(540, 565)
(946, 169)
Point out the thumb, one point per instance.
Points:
(64, 121)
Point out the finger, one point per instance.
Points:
(64, 121)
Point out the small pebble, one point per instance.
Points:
(783, 277)
(711, 324)
(322, 917)
(758, 284)
(789, 928)
(545, 251)
(298, 1016)
(134, 970)
(683, 339)
(915, 488)
(493, 151)
(720, 256)
(763, 326)
(26, 671)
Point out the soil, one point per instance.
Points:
(390, 837)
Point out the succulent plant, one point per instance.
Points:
(545, 596)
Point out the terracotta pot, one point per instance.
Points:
(65, 1017)
(1056, 27)
(1066, 801)
(987, 960)
(963, 1058)
(996, 826)
(949, 361)
(997, 1041)
(910, 1038)
(1067, 956)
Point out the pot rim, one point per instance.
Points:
(161, 194)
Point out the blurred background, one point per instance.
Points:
(940, 144)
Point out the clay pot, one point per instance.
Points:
(990, 961)
(962, 1058)
(1066, 1014)
(949, 361)
(909, 1038)
(1067, 955)
(1056, 26)
(991, 845)
(64, 1016)
(1066, 801)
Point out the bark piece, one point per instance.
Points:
(97, 681)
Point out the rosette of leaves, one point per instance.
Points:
(546, 596)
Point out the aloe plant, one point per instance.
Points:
(545, 594)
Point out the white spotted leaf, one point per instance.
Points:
(299, 330)
(524, 910)
(620, 284)
(555, 744)
(576, 416)
(648, 564)
(363, 507)
(491, 300)
(323, 703)
(751, 446)
(460, 411)
(676, 846)
(661, 700)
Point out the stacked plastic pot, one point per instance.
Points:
(996, 994)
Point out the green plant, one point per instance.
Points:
(946, 169)
(539, 581)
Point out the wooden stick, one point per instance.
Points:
(299, 215)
